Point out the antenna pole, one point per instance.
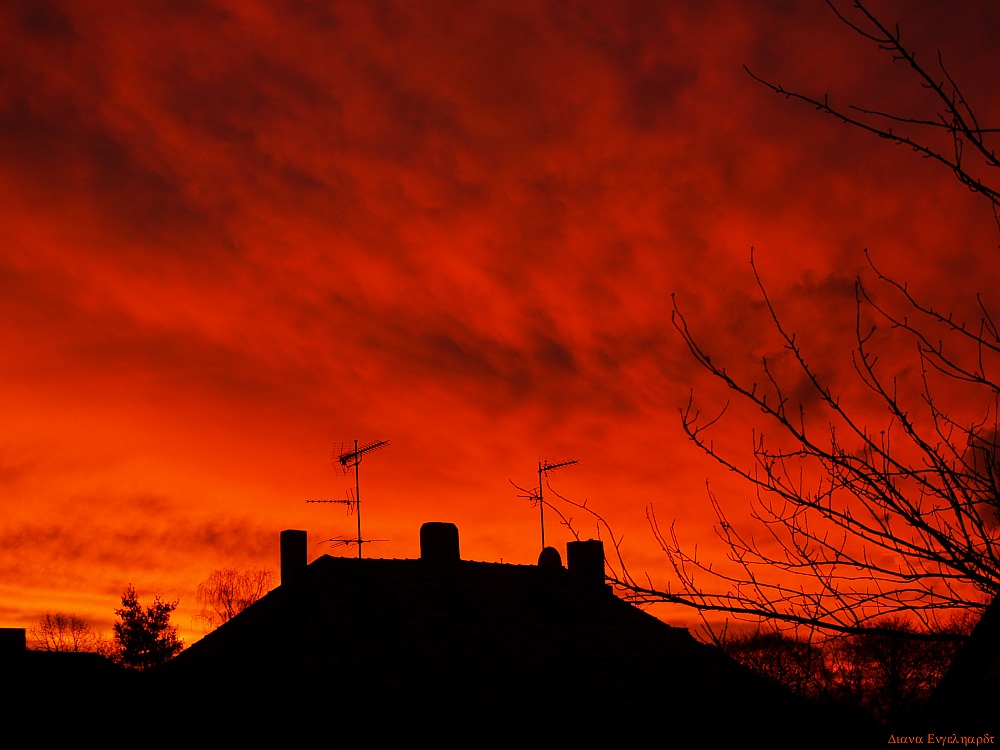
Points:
(347, 459)
(544, 467)
(541, 503)
(353, 458)
(357, 491)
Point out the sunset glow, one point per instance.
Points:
(238, 236)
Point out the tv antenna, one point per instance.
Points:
(544, 467)
(352, 459)
(339, 541)
(351, 501)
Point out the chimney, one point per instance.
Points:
(439, 542)
(13, 641)
(293, 555)
(585, 561)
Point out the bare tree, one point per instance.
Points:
(950, 134)
(64, 632)
(862, 522)
(799, 665)
(852, 523)
(880, 674)
(229, 591)
(888, 676)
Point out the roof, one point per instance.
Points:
(381, 652)
(57, 695)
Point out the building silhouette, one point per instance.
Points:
(448, 652)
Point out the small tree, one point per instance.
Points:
(144, 637)
(64, 632)
(229, 591)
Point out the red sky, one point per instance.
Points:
(238, 235)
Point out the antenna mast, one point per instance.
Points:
(544, 467)
(352, 459)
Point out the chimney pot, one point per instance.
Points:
(439, 542)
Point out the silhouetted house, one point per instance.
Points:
(442, 651)
(58, 695)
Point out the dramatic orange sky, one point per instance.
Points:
(237, 235)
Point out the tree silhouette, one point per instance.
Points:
(64, 632)
(950, 134)
(144, 637)
(858, 523)
(229, 591)
(888, 675)
(797, 664)
(882, 674)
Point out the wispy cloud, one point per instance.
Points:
(235, 235)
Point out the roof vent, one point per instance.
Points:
(550, 559)
(439, 542)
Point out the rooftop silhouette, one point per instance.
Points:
(380, 652)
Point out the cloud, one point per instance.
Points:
(235, 235)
